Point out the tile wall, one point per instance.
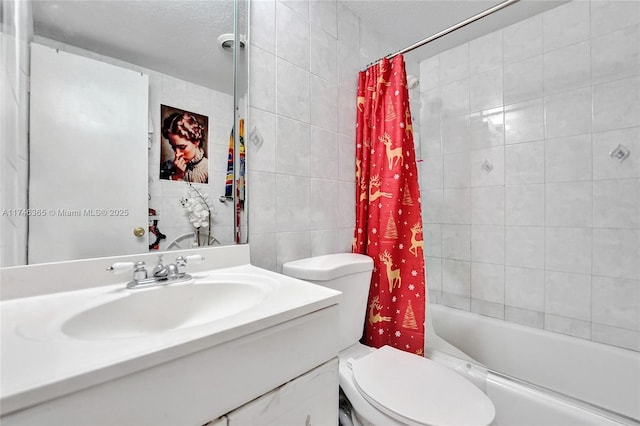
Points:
(305, 57)
(527, 217)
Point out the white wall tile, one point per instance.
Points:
(487, 282)
(568, 159)
(479, 171)
(323, 55)
(431, 175)
(608, 16)
(616, 55)
(524, 246)
(568, 250)
(487, 205)
(524, 163)
(456, 277)
(263, 90)
(454, 64)
(432, 235)
(292, 148)
(293, 203)
(322, 100)
(430, 73)
(292, 246)
(323, 214)
(616, 302)
(523, 80)
(605, 167)
(616, 203)
(568, 295)
(616, 253)
(263, 32)
(523, 39)
(487, 244)
(616, 104)
(616, 336)
(489, 309)
(263, 154)
(524, 205)
(263, 220)
(348, 26)
(292, 34)
(455, 134)
(324, 241)
(455, 98)
(485, 90)
(486, 128)
(568, 326)
(567, 68)
(524, 317)
(456, 170)
(524, 288)
(346, 206)
(456, 242)
(432, 203)
(456, 206)
(569, 204)
(524, 121)
(433, 268)
(568, 113)
(293, 92)
(323, 14)
(565, 25)
(326, 155)
(485, 52)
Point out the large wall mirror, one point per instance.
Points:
(136, 119)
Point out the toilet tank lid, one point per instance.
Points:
(328, 267)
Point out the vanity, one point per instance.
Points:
(235, 345)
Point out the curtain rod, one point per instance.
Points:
(447, 31)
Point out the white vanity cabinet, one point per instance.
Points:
(311, 399)
(274, 363)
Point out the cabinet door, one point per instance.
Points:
(308, 400)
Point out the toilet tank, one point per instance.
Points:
(348, 273)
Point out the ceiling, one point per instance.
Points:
(405, 22)
(179, 37)
(176, 37)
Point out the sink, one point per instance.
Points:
(159, 309)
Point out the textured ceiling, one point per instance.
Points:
(176, 37)
(179, 37)
(405, 22)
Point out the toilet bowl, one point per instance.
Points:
(387, 386)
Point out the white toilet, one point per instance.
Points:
(387, 386)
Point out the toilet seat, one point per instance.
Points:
(417, 391)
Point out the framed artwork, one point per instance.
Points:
(183, 154)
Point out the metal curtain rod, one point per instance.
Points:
(448, 30)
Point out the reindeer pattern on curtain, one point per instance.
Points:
(388, 213)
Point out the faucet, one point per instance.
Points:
(161, 274)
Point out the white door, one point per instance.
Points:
(88, 158)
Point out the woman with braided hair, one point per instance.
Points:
(187, 137)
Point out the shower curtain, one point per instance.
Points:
(388, 214)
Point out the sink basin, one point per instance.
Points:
(159, 309)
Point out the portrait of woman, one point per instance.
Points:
(184, 144)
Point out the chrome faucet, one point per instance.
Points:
(161, 274)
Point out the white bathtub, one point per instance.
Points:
(540, 378)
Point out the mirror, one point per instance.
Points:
(175, 191)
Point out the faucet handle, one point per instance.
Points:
(194, 258)
(120, 267)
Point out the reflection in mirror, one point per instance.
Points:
(124, 133)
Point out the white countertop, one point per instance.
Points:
(39, 362)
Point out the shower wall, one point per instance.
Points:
(527, 217)
(304, 63)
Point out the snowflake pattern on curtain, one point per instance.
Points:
(388, 212)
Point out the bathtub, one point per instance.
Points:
(536, 377)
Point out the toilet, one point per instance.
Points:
(387, 386)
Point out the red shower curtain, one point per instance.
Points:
(388, 214)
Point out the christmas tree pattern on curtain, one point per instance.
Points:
(388, 215)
